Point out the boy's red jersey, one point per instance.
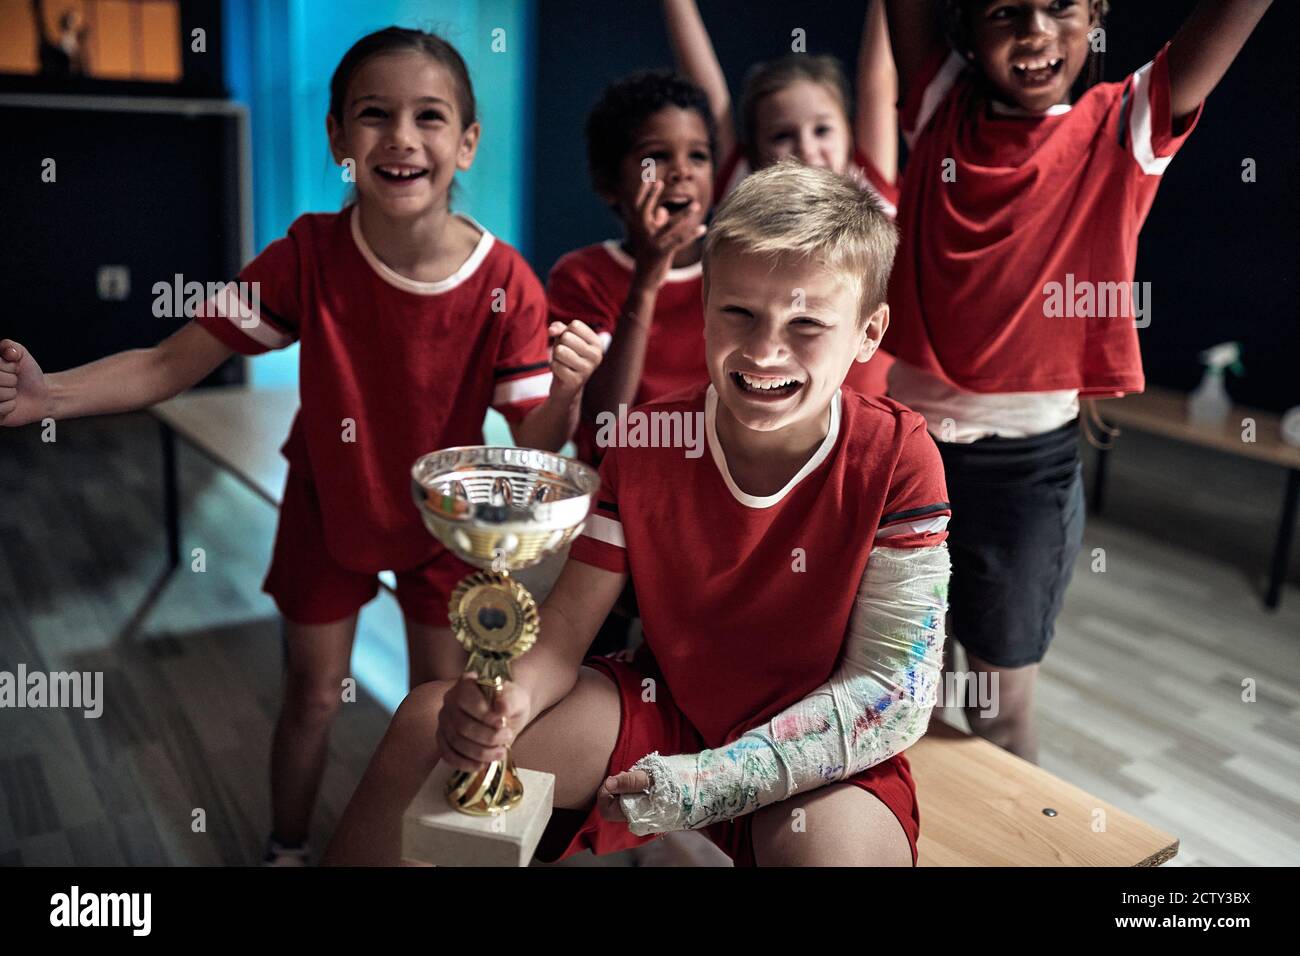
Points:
(390, 369)
(1015, 227)
(745, 600)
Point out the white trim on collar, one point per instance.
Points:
(415, 286)
(1003, 109)
(683, 274)
(719, 459)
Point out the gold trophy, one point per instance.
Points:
(502, 509)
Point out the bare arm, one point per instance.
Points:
(123, 382)
(1205, 46)
(876, 119)
(914, 32)
(570, 617)
(549, 425)
(693, 51)
(616, 381)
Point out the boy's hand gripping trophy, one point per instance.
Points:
(502, 509)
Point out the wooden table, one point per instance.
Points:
(240, 429)
(1161, 411)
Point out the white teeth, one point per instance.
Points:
(1036, 65)
(766, 384)
(400, 173)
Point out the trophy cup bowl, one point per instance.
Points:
(501, 509)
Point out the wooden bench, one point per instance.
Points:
(980, 806)
(1161, 411)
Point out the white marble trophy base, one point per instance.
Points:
(434, 832)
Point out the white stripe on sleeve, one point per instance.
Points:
(243, 316)
(1139, 126)
(605, 529)
(522, 389)
(926, 525)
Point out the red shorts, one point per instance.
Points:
(310, 587)
(660, 726)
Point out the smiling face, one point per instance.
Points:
(803, 120)
(1032, 50)
(676, 140)
(402, 126)
(779, 339)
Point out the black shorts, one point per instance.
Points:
(1016, 528)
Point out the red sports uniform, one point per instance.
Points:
(592, 283)
(1032, 200)
(391, 368)
(745, 601)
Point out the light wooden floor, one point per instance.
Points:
(1140, 700)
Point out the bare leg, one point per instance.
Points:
(841, 825)
(572, 740)
(317, 661)
(432, 652)
(370, 830)
(1013, 727)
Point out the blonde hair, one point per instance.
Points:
(792, 210)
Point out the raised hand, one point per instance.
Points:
(574, 356)
(658, 235)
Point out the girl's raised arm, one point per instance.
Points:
(914, 32)
(1205, 46)
(693, 51)
(122, 382)
(875, 120)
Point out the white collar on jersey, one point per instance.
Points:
(1005, 109)
(393, 278)
(719, 459)
(627, 262)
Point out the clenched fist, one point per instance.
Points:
(24, 393)
(574, 356)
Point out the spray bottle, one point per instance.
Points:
(1209, 403)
